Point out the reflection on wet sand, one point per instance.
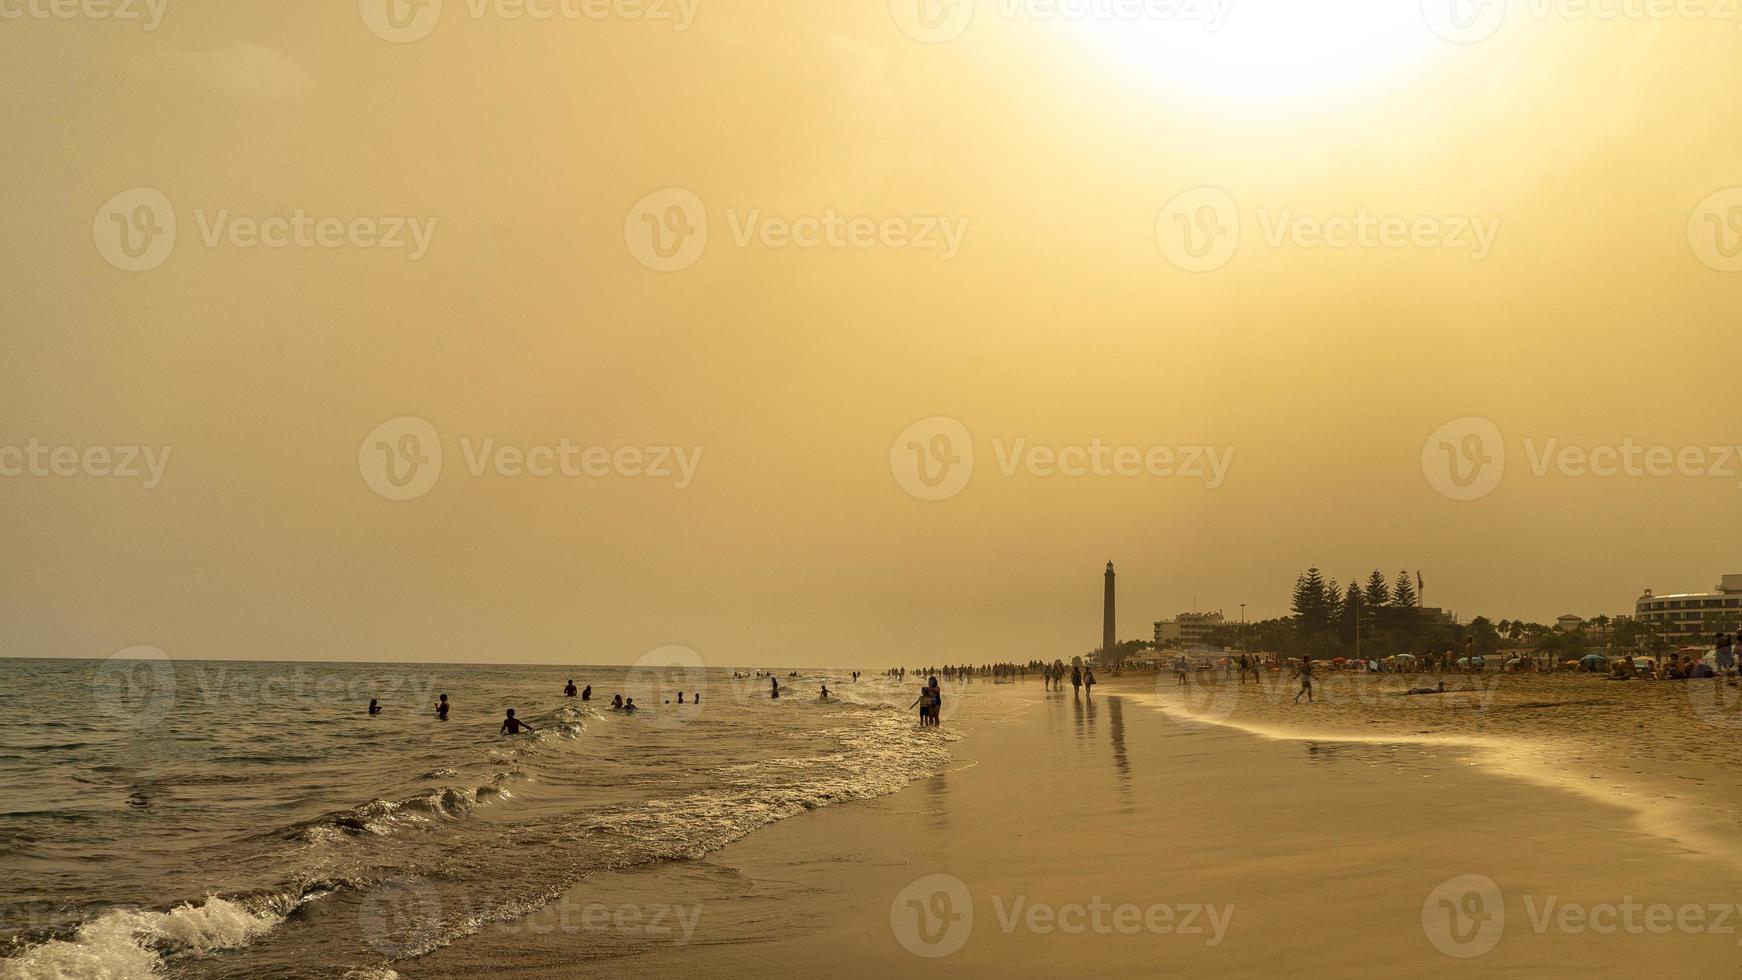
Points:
(1121, 759)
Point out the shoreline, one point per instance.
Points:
(1327, 850)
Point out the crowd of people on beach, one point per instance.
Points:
(512, 725)
(1081, 675)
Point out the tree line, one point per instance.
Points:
(1386, 615)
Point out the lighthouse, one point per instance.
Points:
(1109, 637)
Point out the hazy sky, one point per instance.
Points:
(1024, 225)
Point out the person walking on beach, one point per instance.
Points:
(1076, 680)
(1179, 671)
(1306, 680)
(1089, 682)
(1726, 655)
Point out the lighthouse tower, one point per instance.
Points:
(1109, 636)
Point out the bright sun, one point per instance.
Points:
(1266, 48)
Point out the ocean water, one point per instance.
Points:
(185, 819)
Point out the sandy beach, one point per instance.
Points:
(1116, 833)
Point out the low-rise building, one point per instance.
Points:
(1692, 617)
(1188, 629)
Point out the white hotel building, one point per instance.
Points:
(1693, 617)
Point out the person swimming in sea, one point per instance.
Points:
(629, 705)
(1427, 690)
(616, 702)
(587, 693)
(774, 688)
(680, 697)
(696, 698)
(442, 709)
(825, 696)
(569, 691)
(512, 725)
(374, 706)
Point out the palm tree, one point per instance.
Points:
(1602, 624)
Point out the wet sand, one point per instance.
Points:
(1120, 838)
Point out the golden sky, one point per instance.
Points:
(1012, 217)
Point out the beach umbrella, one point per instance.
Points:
(1592, 658)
